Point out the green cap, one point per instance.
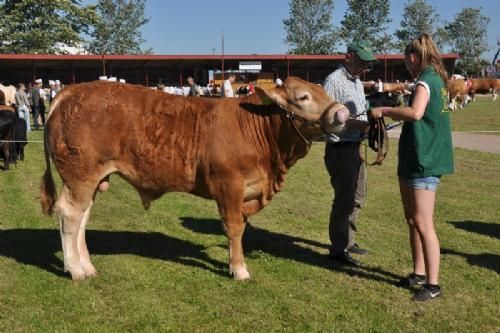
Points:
(362, 49)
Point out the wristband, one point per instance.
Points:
(385, 112)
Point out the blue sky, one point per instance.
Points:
(256, 26)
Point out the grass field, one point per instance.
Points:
(165, 270)
(482, 115)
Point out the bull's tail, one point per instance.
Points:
(48, 192)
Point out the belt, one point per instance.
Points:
(343, 143)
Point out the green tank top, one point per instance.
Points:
(425, 146)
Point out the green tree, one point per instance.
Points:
(34, 26)
(366, 19)
(418, 17)
(309, 28)
(468, 36)
(117, 30)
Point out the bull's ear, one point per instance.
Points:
(264, 97)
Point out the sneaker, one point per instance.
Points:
(427, 293)
(344, 258)
(412, 280)
(355, 249)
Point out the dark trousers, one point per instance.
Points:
(36, 112)
(348, 178)
(42, 113)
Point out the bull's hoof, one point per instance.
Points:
(77, 274)
(240, 274)
(90, 271)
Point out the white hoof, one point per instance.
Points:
(89, 270)
(240, 274)
(77, 274)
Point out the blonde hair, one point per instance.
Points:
(426, 51)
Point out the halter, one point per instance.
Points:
(292, 116)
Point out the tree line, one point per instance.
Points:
(310, 29)
(114, 27)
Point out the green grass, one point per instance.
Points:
(165, 270)
(482, 115)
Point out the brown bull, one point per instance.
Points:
(234, 151)
(457, 89)
(485, 86)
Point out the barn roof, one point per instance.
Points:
(144, 68)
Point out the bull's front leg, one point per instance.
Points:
(234, 226)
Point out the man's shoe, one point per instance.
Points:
(344, 258)
(412, 280)
(355, 249)
(427, 292)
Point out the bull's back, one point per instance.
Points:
(484, 85)
(151, 138)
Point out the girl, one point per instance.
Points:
(425, 154)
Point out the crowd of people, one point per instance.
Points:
(32, 102)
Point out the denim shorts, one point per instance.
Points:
(427, 183)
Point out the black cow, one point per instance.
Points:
(21, 137)
(384, 99)
(8, 128)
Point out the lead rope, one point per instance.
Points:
(291, 117)
(378, 140)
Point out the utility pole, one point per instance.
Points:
(222, 55)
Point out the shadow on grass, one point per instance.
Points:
(485, 260)
(38, 247)
(288, 247)
(482, 228)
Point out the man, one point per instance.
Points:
(227, 89)
(58, 86)
(36, 101)
(193, 89)
(23, 105)
(52, 90)
(342, 159)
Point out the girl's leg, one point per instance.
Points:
(424, 201)
(415, 244)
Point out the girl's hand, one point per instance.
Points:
(378, 112)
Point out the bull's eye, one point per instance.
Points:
(304, 97)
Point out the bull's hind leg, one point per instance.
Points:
(71, 207)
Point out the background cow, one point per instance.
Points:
(485, 86)
(235, 151)
(457, 89)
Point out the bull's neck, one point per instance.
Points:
(274, 138)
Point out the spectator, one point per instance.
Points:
(193, 88)
(23, 105)
(380, 86)
(227, 90)
(35, 102)
(52, 91)
(58, 86)
(251, 88)
(342, 159)
(425, 154)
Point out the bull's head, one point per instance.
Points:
(310, 102)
